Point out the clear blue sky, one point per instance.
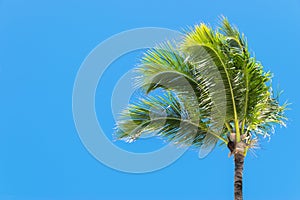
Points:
(42, 45)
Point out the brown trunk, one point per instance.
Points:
(238, 176)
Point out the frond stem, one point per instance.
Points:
(236, 121)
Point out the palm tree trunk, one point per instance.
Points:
(238, 176)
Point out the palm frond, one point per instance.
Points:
(165, 67)
(257, 106)
(163, 116)
(203, 39)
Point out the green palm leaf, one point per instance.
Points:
(163, 116)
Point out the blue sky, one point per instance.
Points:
(42, 46)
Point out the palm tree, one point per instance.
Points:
(210, 89)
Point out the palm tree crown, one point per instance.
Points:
(251, 109)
